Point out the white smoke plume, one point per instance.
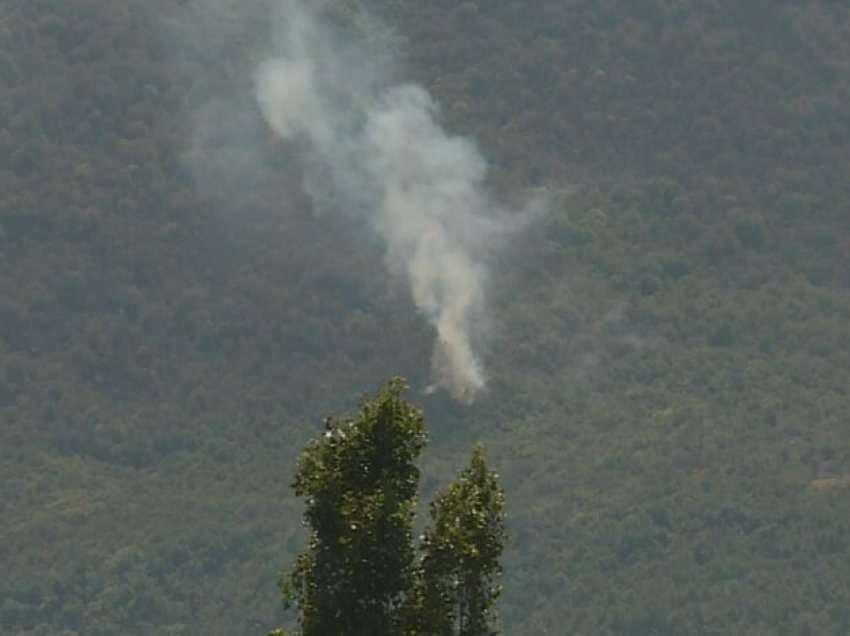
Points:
(381, 149)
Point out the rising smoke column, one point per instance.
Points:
(388, 156)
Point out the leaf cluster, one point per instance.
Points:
(359, 574)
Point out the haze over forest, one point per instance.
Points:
(608, 239)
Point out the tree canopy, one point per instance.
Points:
(361, 575)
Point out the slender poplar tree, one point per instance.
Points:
(359, 482)
(360, 574)
(457, 576)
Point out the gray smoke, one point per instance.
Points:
(379, 147)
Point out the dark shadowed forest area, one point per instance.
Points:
(666, 347)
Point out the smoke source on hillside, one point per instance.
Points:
(378, 146)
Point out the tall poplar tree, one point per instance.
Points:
(457, 576)
(359, 482)
(360, 574)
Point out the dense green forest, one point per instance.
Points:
(667, 348)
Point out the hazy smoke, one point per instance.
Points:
(380, 148)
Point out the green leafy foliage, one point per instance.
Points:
(457, 588)
(359, 482)
(358, 575)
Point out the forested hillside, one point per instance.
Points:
(667, 347)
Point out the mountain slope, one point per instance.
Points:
(667, 354)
